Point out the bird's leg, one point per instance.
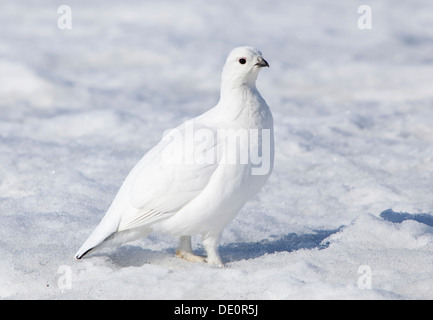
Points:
(184, 250)
(210, 244)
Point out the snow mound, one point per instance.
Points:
(19, 84)
(370, 232)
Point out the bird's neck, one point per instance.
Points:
(236, 85)
(238, 93)
(240, 103)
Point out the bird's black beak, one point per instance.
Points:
(262, 63)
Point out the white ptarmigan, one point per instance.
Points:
(198, 177)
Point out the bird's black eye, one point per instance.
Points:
(242, 60)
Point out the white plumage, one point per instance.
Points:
(191, 182)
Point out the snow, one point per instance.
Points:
(347, 212)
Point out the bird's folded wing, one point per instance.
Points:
(169, 176)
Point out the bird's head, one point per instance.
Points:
(242, 66)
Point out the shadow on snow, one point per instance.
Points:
(398, 217)
(287, 243)
(130, 255)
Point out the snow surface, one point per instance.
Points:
(353, 116)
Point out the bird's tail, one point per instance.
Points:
(87, 247)
(103, 232)
(111, 239)
(107, 234)
(107, 228)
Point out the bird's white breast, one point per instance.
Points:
(232, 183)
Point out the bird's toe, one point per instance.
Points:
(189, 256)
